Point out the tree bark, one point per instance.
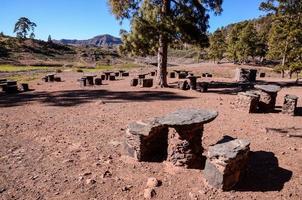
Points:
(162, 56)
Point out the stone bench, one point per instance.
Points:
(226, 162)
(176, 137)
(268, 95)
(247, 101)
(290, 104)
(205, 86)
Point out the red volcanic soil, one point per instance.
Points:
(61, 141)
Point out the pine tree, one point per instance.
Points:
(217, 45)
(156, 24)
(49, 40)
(232, 42)
(285, 37)
(247, 43)
(23, 26)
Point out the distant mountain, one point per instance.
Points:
(99, 41)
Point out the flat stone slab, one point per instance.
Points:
(290, 96)
(268, 88)
(143, 127)
(228, 150)
(188, 117)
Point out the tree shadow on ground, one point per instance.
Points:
(77, 97)
(263, 173)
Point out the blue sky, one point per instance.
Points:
(83, 19)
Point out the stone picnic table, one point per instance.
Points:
(179, 72)
(176, 137)
(107, 74)
(193, 81)
(51, 77)
(268, 95)
(89, 78)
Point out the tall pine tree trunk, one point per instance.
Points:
(162, 56)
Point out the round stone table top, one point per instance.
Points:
(185, 117)
(268, 88)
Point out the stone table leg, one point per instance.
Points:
(267, 101)
(184, 146)
(193, 83)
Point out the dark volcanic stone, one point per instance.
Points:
(268, 88)
(188, 117)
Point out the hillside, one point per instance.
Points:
(36, 52)
(98, 41)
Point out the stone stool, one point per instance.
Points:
(141, 76)
(193, 81)
(226, 162)
(268, 95)
(83, 82)
(185, 136)
(24, 87)
(112, 77)
(183, 85)
(153, 73)
(58, 79)
(117, 74)
(262, 75)
(203, 86)
(98, 81)
(45, 79)
(89, 80)
(172, 75)
(147, 82)
(247, 101)
(290, 104)
(134, 82)
(125, 74)
(103, 77)
(245, 75)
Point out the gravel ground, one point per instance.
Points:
(61, 141)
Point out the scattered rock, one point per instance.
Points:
(193, 196)
(126, 188)
(90, 181)
(149, 193)
(107, 174)
(152, 182)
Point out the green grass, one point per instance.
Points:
(24, 78)
(11, 68)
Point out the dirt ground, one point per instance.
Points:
(61, 141)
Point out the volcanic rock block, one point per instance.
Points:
(153, 73)
(24, 87)
(146, 141)
(147, 82)
(183, 85)
(193, 81)
(112, 77)
(185, 136)
(290, 104)
(83, 82)
(247, 101)
(226, 162)
(262, 75)
(117, 74)
(245, 75)
(10, 89)
(103, 77)
(51, 77)
(172, 75)
(58, 79)
(268, 95)
(125, 74)
(182, 75)
(98, 81)
(134, 82)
